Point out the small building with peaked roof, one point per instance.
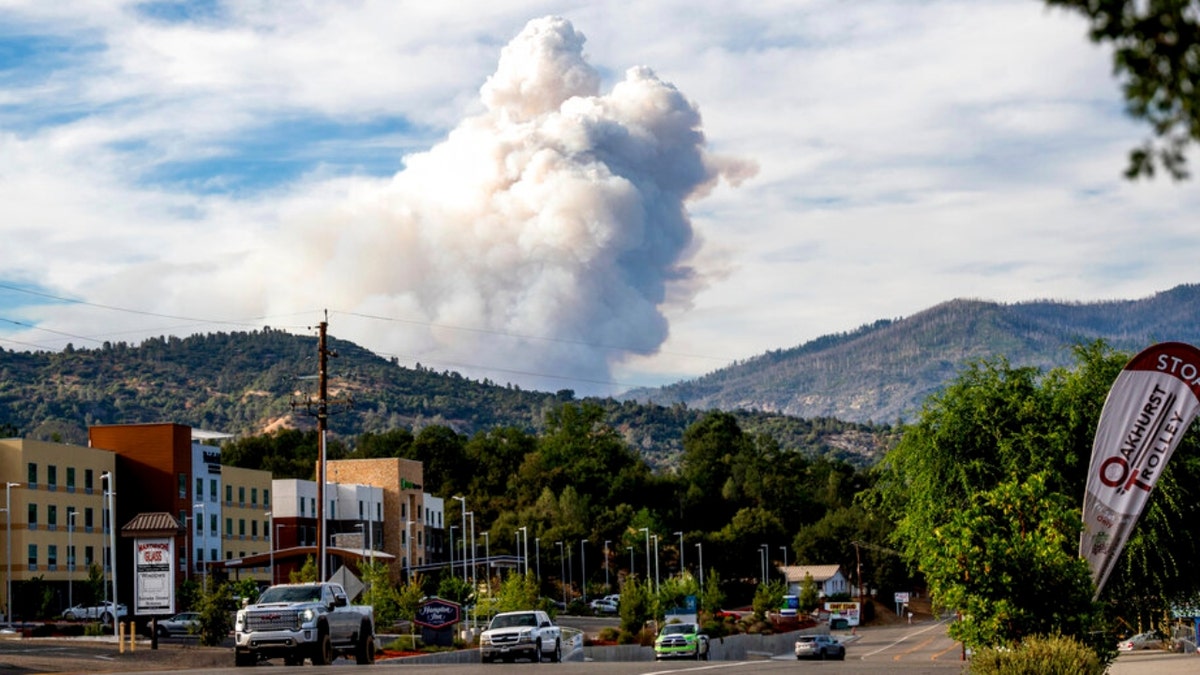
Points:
(828, 578)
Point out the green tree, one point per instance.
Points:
(215, 608)
(517, 592)
(455, 589)
(713, 597)
(380, 594)
(1157, 60)
(809, 598)
(306, 574)
(768, 597)
(637, 605)
(408, 601)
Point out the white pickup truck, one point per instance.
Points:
(298, 621)
(526, 634)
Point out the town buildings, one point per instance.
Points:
(221, 520)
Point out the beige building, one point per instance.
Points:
(403, 532)
(56, 512)
(246, 510)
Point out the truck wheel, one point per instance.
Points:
(242, 659)
(364, 652)
(322, 654)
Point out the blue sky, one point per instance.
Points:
(635, 193)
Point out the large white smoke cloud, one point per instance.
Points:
(554, 224)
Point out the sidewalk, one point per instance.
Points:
(1155, 662)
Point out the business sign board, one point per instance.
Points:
(850, 611)
(1149, 408)
(154, 576)
(437, 614)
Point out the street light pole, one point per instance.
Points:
(647, 531)
(523, 549)
(112, 538)
(784, 549)
(408, 551)
(582, 570)
(8, 560)
(473, 547)
(700, 552)
(452, 529)
(71, 558)
(682, 567)
(607, 587)
(632, 571)
(537, 549)
(203, 512)
(487, 562)
(655, 563)
(463, 501)
(562, 573)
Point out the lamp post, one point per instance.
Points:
(71, 558)
(203, 511)
(452, 529)
(471, 517)
(784, 549)
(655, 562)
(408, 550)
(582, 570)
(562, 573)
(463, 500)
(112, 539)
(647, 531)
(700, 552)
(8, 559)
(682, 567)
(524, 550)
(632, 571)
(763, 548)
(487, 562)
(607, 587)
(537, 549)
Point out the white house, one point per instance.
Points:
(829, 579)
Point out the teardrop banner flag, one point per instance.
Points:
(1150, 406)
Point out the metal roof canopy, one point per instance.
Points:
(300, 553)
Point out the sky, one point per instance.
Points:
(561, 195)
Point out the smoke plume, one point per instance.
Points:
(552, 227)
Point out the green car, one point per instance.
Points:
(681, 640)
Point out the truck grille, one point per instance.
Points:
(284, 619)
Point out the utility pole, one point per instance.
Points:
(321, 405)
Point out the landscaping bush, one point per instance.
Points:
(1038, 655)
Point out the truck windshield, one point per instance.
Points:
(514, 620)
(291, 594)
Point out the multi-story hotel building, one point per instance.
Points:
(400, 533)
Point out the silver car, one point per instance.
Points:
(819, 647)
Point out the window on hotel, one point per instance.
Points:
(88, 518)
(229, 527)
(215, 557)
(89, 555)
(32, 474)
(33, 556)
(241, 527)
(70, 479)
(212, 524)
(71, 557)
(52, 556)
(241, 494)
(32, 516)
(254, 528)
(199, 488)
(88, 479)
(199, 524)
(212, 489)
(182, 486)
(51, 476)
(228, 493)
(254, 496)
(266, 497)
(52, 516)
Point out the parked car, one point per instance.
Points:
(681, 640)
(819, 647)
(185, 623)
(523, 634)
(603, 606)
(1150, 640)
(102, 613)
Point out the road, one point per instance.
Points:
(892, 650)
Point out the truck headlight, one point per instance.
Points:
(239, 623)
(308, 615)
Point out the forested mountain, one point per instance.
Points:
(884, 371)
(255, 382)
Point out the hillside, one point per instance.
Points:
(885, 370)
(249, 383)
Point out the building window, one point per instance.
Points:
(52, 516)
(183, 486)
(33, 516)
(360, 509)
(52, 557)
(302, 506)
(378, 511)
(403, 510)
(71, 517)
(33, 556)
(332, 509)
(254, 529)
(214, 556)
(199, 488)
(71, 557)
(70, 479)
(267, 530)
(229, 527)
(32, 478)
(199, 524)
(241, 527)
(228, 494)
(89, 556)
(212, 489)
(254, 496)
(266, 497)
(241, 494)
(88, 518)
(229, 555)
(88, 480)
(212, 525)
(199, 555)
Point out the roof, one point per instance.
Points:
(300, 553)
(819, 573)
(158, 523)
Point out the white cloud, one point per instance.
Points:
(242, 160)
